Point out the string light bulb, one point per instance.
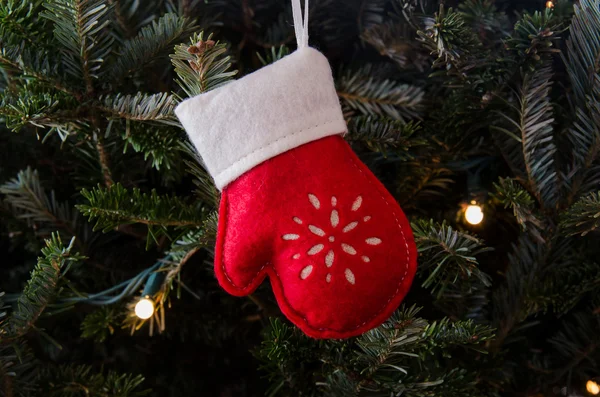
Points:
(549, 4)
(474, 213)
(144, 309)
(592, 387)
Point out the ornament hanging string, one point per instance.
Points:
(300, 24)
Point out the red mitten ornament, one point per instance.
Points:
(297, 204)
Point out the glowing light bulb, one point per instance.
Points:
(549, 4)
(144, 309)
(592, 387)
(474, 214)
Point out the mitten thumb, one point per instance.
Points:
(242, 253)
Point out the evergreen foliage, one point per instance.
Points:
(447, 102)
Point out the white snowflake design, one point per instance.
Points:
(329, 239)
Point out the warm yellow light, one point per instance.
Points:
(144, 309)
(592, 387)
(474, 214)
(549, 4)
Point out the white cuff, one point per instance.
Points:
(277, 108)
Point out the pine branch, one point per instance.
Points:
(136, 14)
(484, 17)
(447, 256)
(28, 200)
(372, 96)
(41, 288)
(180, 253)
(150, 44)
(471, 303)
(18, 368)
(577, 344)
(123, 27)
(160, 144)
(582, 62)
(19, 22)
(392, 357)
(389, 345)
(141, 107)
(24, 62)
(284, 355)
(583, 50)
(184, 250)
(512, 195)
(568, 284)
(445, 333)
(385, 135)
(509, 299)
(98, 324)
(205, 187)
(582, 217)
(202, 66)
(115, 206)
(584, 138)
(459, 52)
(81, 27)
(412, 11)
(534, 38)
(31, 104)
(273, 54)
(530, 143)
(530, 276)
(77, 380)
(422, 180)
(403, 356)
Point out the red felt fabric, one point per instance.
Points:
(269, 224)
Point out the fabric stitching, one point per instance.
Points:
(219, 173)
(259, 273)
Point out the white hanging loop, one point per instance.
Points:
(300, 24)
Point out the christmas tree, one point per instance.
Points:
(481, 118)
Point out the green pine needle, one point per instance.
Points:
(42, 287)
(447, 256)
(582, 49)
(512, 195)
(82, 28)
(361, 91)
(384, 135)
(101, 323)
(28, 200)
(115, 206)
(455, 45)
(161, 145)
(202, 65)
(150, 44)
(534, 38)
(581, 61)
(529, 144)
(142, 107)
(583, 217)
(78, 380)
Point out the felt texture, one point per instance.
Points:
(336, 246)
(277, 108)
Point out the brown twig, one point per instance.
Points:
(104, 163)
(177, 269)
